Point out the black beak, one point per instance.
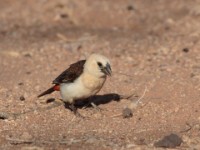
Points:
(107, 70)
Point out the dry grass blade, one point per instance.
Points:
(127, 96)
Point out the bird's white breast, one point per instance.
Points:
(83, 87)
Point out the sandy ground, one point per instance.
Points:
(155, 43)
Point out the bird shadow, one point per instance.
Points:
(96, 99)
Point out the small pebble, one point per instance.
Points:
(127, 113)
(186, 50)
(50, 100)
(63, 15)
(22, 98)
(130, 7)
(170, 141)
(21, 83)
(28, 55)
(28, 72)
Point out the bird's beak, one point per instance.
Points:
(107, 70)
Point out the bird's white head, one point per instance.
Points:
(98, 65)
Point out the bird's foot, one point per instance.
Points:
(75, 111)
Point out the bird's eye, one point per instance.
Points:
(99, 64)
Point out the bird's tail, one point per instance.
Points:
(50, 90)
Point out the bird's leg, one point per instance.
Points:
(75, 111)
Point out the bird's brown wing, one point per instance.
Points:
(70, 74)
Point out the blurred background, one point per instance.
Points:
(155, 43)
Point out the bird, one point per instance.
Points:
(83, 79)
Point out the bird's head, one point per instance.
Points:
(98, 65)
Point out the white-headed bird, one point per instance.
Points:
(81, 80)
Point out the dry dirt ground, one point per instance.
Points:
(155, 43)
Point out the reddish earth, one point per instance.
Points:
(155, 43)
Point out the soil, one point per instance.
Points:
(154, 49)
